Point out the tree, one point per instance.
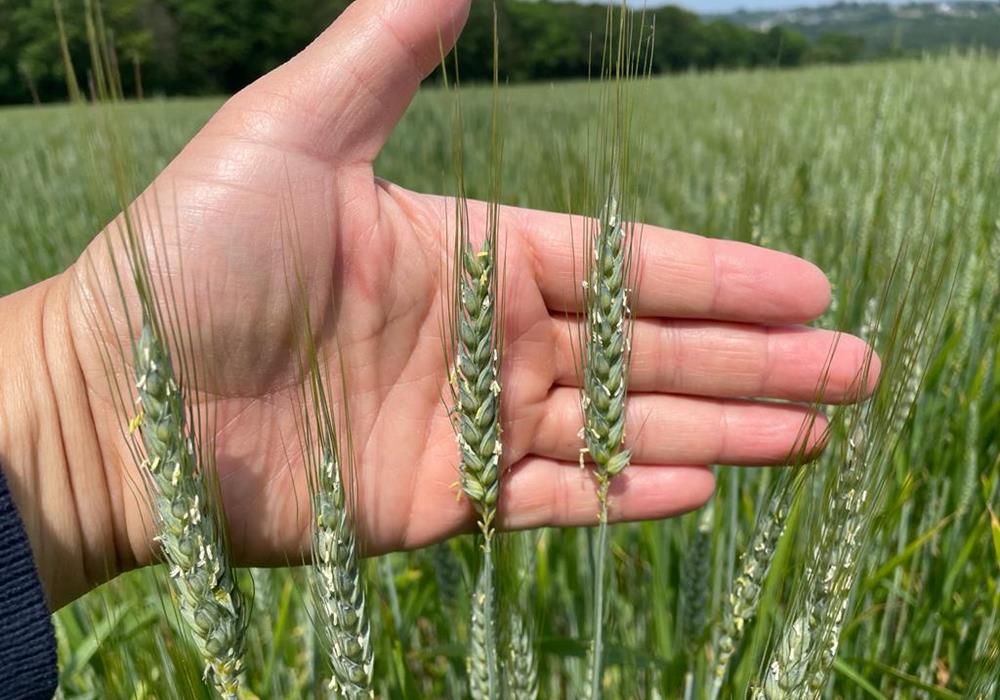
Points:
(837, 48)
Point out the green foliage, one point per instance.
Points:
(199, 47)
(837, 48)
(31, 64)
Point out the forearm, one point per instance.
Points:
(49, 451)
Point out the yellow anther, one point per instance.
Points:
(134, 424)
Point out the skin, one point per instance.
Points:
(716, 332)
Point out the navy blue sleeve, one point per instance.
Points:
(28, 668)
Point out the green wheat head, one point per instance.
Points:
(339, 586)
(605, 373)
(476, 384)
(192, 541)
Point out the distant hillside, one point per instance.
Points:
(889, 29)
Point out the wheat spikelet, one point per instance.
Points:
(192, 541)
(786, 675)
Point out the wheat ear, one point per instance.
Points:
(481, 663)
(477, 386)
(339, 586)
(521, 663)
(192, 541)
(476, 417)
(605, 372)
(744, 595)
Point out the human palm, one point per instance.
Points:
(292, 154)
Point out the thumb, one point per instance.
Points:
(341, 97)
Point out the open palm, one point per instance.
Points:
(713, 334)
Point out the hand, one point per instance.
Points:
(714, 332)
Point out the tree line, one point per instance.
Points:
(197, 47)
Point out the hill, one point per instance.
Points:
(889, 29)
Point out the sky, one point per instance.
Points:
(708, 6)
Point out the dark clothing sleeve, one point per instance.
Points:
(28, 668)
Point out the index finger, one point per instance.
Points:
(680, 275)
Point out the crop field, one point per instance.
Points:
(881, 559)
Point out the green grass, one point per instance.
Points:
(836, 164)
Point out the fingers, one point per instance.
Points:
(732, 360)
(539, 492)
(667, 429)
(681, 274)
(342, 96)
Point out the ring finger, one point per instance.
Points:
(671, 429)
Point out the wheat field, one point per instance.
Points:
(883, 174)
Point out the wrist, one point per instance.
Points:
(63, 486)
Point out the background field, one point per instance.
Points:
(839, 165)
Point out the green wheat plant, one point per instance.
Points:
(740, 604)
(808, 646)
(191, 533)
(171, 439)
(608, 285)
(338, 588)
(337, 584)
(474, 329)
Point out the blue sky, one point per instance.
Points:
(731, 5)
